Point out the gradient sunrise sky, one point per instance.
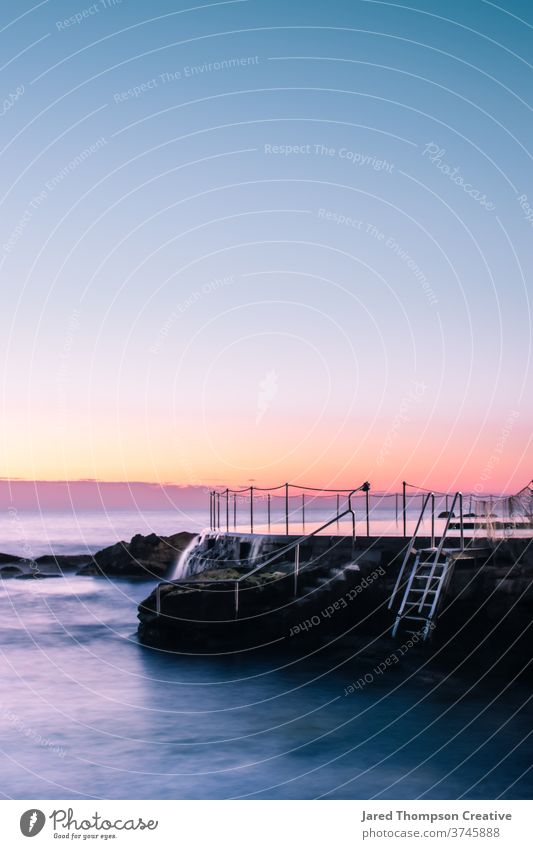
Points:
(267, 241)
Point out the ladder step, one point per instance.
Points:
(414, 590)
(416, 618)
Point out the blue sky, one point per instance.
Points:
(265, 240)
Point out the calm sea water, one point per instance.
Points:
(33, 533)
(87, 712)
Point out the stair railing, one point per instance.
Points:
(295, 545)
(411, 547)
(445, 577)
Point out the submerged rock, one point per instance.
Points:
(28, 576)
(9, 571)
(149, 556)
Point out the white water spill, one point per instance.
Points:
(183, 567)
(190, 561)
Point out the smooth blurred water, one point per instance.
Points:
(32, 533)
(85, 711)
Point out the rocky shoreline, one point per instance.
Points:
(143, 557)
(340, 605)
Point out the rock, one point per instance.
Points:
(149, 556)
(9, 571)
(207, 613)
(63, 561)
(28, 576)
(11, 558)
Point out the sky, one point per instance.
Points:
(259, 241)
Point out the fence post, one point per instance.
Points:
(367, 498)
(404, 485)
(268, 510)
(251, 509)
(234, 511)
(287, 509)
(462, 524)
(296, 568)
(211, 511)
(338, 509)
(303, 511)
(227, 510)
(432, 520)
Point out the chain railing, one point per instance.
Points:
(223, 504)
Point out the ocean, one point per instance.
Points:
(88, 712)
(33, 533)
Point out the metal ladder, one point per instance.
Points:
(427, 584)
(429, 577)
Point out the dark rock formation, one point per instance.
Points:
(63, 561)
(208, 614)
(488, 603)
(9, 571)
(30, 576)
(149, 556)
(11, 558)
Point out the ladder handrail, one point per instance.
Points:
(411, 545)
(441, 545)
(457, 495)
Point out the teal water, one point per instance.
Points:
(87, 712)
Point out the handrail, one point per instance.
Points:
(438, 552)
(410, 547)
(299, 541)
(214, 503)
(296, 546)
(458, 495)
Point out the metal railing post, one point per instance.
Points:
(287, 509)
(432, 520)
(303, 511)
(211, 511)
(338, 508)
(268, 510)
(234, 511)
(461, 520)
(227, 510)
(296, 568)
(218, 510)
(404, 509)
(367, 499)
(251, 509)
